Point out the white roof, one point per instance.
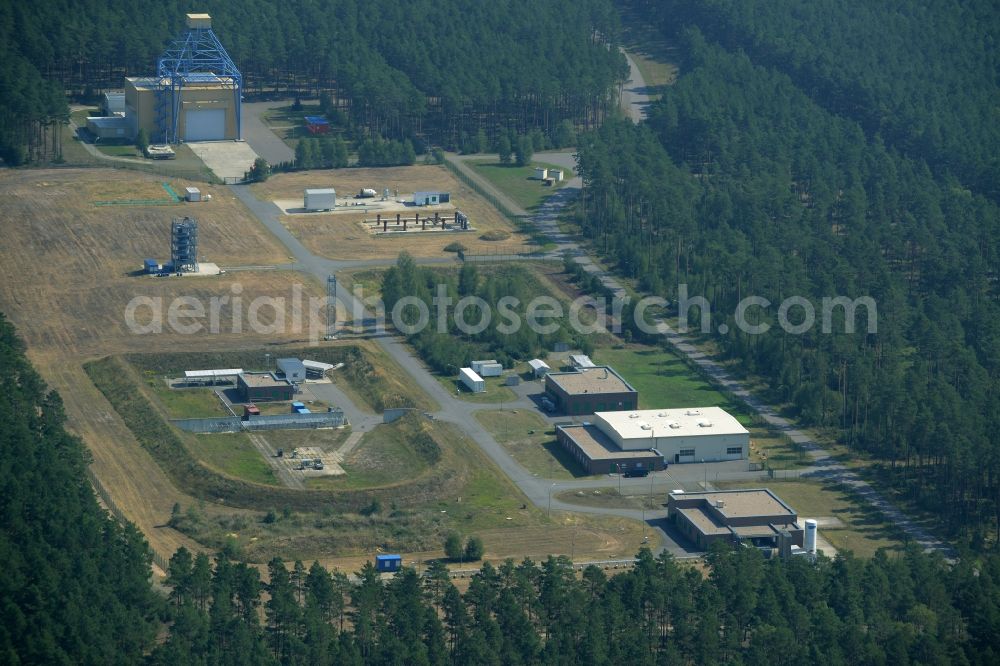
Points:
(492, 360)
(192, 190)
(537, 364)
(316, 365)
(326, 190)
(232, 372)
(471, 374)
(582, 361)
(661, 423)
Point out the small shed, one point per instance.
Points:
(316, 369)
(538, 367)
(431, 198)
(556, 175)
(293, 369)
(388, 563)
(297, 405)
(581, 361)
(150, 266)
(115, 127)
(320, 199)
(250, 410)
(192, 194)
(317, 125)
(113, 102)
(472, 380)
(541, 173)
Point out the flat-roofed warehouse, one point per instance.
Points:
(684, 435)
(589, 390)
(263, 387)
(598, 454)
(755, 516)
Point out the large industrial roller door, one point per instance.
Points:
(207, 125)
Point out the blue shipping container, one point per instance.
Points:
(388, 562)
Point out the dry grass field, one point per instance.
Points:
(343, 236)
(65, 283)
(66, 277)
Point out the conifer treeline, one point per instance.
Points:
(434, 70)
(742, 185)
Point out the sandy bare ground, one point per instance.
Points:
(344, 236)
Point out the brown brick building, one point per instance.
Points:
(599, 455)
(589, 390)
(754, 516)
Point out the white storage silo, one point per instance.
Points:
(810, 537)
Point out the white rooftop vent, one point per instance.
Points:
(645, 426)
(720, 504)
(694, 412)
(705, 424)
(633, 415)
(662, 414)
(677, 491)
(674, 424)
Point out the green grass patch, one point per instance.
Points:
(385, 456)
(495, 391)
(608, 498)
(234, 454)
(531, 441)
(662, 379)
(860, 529)
(118, 150)
(518, 182)
(187, 403)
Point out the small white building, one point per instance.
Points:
(316, 369)
(556, 175)
(320, 199)
(472, 381)
(192, 194)
(581, 361)
(539, 368)
(707, 434)
(488, 368)
(541, 173)
(293, 369)
(431, 198)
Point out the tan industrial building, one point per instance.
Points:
(207, 110)
(753, 516)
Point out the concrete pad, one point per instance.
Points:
(351, 205)
(227, 159)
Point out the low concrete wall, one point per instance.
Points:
(332, 419)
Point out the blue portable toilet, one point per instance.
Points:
(388, 562)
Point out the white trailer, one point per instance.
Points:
(192, 194)
(320, 199)
(472, 381)
(490, 370)
(486, 369)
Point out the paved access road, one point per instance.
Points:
(454, 410)
(823, 465)
(635, 94)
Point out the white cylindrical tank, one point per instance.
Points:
(810, 539)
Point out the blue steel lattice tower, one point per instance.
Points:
(190, 59)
